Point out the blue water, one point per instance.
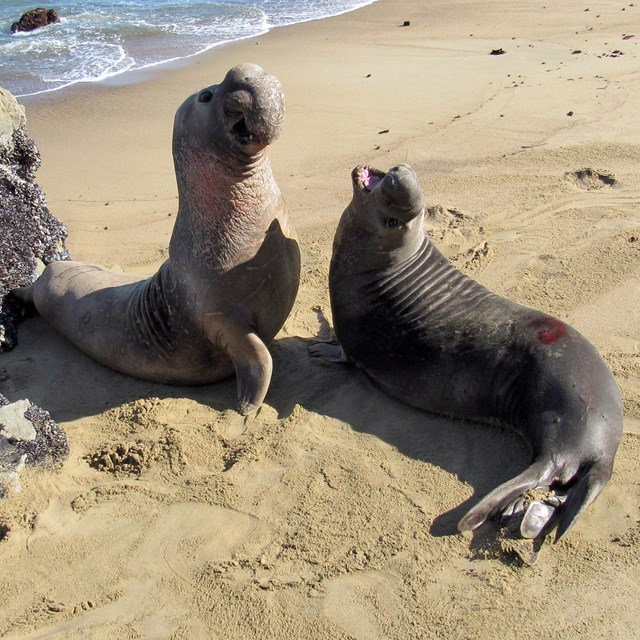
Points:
(96, 39)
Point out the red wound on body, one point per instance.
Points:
(550, 330)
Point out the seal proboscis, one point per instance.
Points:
(234, 264)
(436, 339)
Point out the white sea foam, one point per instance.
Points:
(98, 39)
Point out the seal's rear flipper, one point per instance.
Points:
(252, 362)
(24, 294)
(531, 478)
(591, 480)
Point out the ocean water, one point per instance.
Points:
(97, 39)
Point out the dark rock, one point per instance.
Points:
(28, 231)
(28, 436)
(28, 234)
(497, 52)
(35, 19)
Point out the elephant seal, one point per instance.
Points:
(432, 337)
(234, 264)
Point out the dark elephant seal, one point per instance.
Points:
(434, 338)
(234, 264)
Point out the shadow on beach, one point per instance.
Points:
(52, 373)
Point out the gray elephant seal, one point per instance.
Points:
(433, 338)
(234, 264)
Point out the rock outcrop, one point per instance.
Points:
(29, 235)
(28, 435)
(35, 19)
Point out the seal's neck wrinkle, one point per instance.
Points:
(425, 285)
(221, 209)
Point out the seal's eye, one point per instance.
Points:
(391, 223)
(205, 96)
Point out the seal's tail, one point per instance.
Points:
(581, 490)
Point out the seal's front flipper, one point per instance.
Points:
(329, 352)
(253, 365)
(252, 362)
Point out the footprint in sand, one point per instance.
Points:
(590, 179)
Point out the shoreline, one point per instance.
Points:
(331, 513)
(118, 78)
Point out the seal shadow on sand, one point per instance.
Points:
(483, 456)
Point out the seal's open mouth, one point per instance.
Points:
(366, 177)
(242, 133)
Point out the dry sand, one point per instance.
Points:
(331, 513)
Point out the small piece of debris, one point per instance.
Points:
(406, 23)
(497, 52)
(633, 239)
(569, 113)
(383, 131)
(627, 37)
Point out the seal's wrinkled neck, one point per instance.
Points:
(224, 178)
(222, 216)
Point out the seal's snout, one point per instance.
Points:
(253, 106)
(400, 191)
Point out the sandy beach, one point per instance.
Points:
(331, 513)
